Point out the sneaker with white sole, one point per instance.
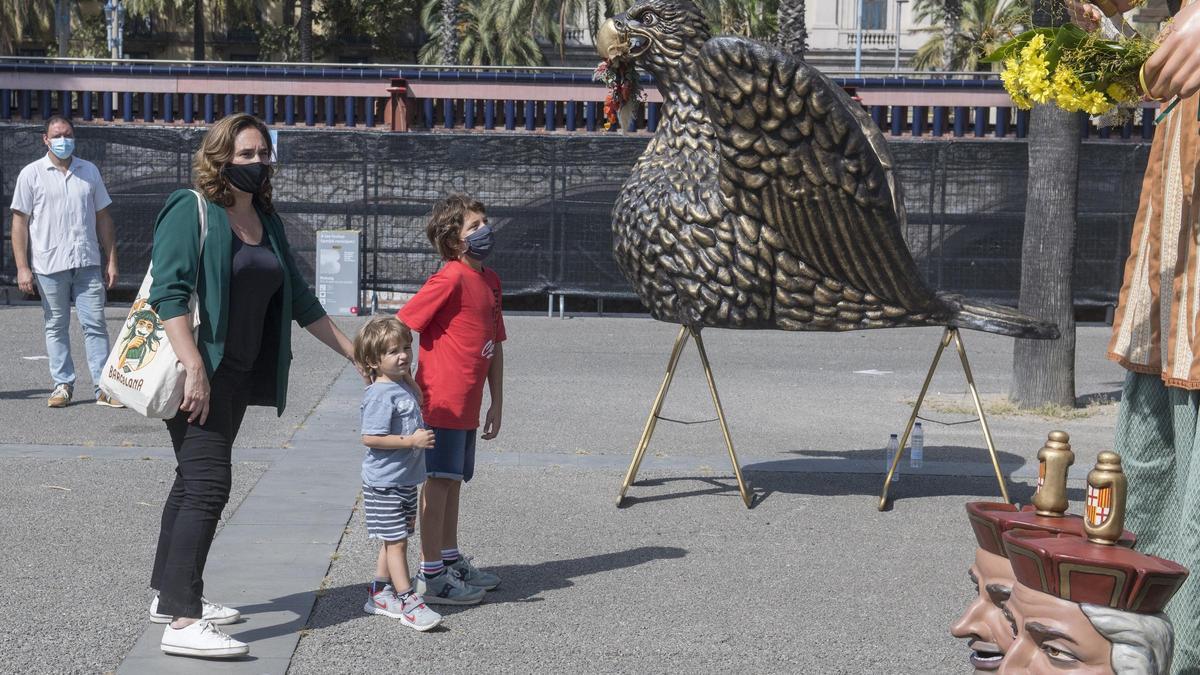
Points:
(61, 396)
(201, 638)
(106, 400)
(217, 614)
(447, 589)
(412, 610)
(473, 576)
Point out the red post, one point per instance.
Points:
(398, 112)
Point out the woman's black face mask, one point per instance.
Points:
(250, 178)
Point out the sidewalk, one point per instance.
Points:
(813, 579)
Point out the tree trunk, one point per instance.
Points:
(62, 25)
(305, 31)
(953, 11)
(449, 32)
(1044, 370)
(198, 30)
(793, 33)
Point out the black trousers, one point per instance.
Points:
(203, 476)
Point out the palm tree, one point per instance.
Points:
(952, 12)
(304, 28)
(17, 16)
(793, 34)
(1044, 370)
(983, 26)
(748, 18)
(449, 31)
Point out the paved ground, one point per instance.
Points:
(813, 579)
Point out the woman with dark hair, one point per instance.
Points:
(249, 292)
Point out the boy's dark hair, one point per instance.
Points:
(445, 223)
(55, 119)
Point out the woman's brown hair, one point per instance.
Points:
(444, 228)
(216, 151)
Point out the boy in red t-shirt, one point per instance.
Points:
(457, 313)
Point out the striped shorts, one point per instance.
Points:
(391, 512)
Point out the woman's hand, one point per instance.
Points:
(195, 395)
(1174, 68)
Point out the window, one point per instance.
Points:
(874, 14)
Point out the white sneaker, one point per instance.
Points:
(201, 638)
(217, 614)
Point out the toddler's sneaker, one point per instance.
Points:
(202, 639)
(447, 589)
(473, 576)
(411, 611)
(219, 615)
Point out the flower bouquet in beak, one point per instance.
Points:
(624, 92)
(1073, 69)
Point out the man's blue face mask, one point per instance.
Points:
(62, 147)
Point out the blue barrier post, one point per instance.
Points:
(918, 120)
(269, 109)
(939, 121)
(369, 112)
(551, 114)
(330, 112)
(879, 116)
(652, 117)
(228, 104)
(1022, 123)
(1127, 128)
(570, 115)
(510, 115)
(589, 115)
(5, 104)
(960, 121)
(26, 105)
(633, 119)
(289, 110)
(447, 113)
(1147, 123)
(427, 113)
(47, 110)
(530, 115)
(127, 106)
(1002, 122)
(469, 113)
(248, 104)
(210, 108)
(147, 107)
(981, 120)
(189, 108)
(489, 114)
(898, 115)
(85, 104)
(64, 104)
(168, 109)
(1105, 131)
(350, 111)
(106, 107)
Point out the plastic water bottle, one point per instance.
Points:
(892, 448)
(917, 457)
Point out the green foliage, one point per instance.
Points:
(381, 23)
(90, 38)
(983, 27)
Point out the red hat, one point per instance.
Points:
(1075, 569)
(990, 520)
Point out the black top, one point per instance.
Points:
(254, 278)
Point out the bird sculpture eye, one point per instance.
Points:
(649, 19)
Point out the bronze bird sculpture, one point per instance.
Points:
(767, 197)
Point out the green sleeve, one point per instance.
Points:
(175, 258)
(305, 306)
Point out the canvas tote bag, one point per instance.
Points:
(142, 371)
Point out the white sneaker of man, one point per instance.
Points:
(201, 638)
(217, 614)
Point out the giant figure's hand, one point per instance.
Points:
(1174, 69)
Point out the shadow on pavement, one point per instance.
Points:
(520, 583)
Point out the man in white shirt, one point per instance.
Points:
(60, 224)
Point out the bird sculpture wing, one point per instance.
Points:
(804, 162)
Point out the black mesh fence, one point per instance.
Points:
(550, 196)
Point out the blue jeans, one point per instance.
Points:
(83, 286)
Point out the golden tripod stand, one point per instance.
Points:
(950, 335)
(652, 420)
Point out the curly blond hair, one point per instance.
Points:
(444, 228)
(216, 152)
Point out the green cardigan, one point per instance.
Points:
(174, 259)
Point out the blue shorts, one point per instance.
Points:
(452, 455)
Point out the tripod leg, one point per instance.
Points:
(747, 497)
(987, 433)
(652, 420)
(947, 336)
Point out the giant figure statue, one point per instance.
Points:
(984, 622)
(766, 199)
(1084, 604)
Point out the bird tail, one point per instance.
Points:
(990, 318)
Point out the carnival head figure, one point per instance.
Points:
(235, 155)
(140, 340)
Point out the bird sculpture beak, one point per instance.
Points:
(611, 44)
